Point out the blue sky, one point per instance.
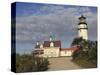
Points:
(26, 9)
(36, 22)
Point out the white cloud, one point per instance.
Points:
(60, 22)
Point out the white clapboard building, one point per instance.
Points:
(52, 48)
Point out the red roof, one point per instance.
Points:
(72, 49)
(47, 44)
(56, 43)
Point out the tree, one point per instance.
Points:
(82, 43)
(87, 50)
(77, 41)
(92, 52)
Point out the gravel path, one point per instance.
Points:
(62, 63)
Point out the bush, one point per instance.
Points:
(29, 63)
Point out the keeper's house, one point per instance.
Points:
(52, 48)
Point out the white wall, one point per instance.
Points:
(51, 52)
(66, 53)
(83, 32)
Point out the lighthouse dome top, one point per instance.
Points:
(82, 17)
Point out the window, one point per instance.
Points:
(65, 52)
(51, 44)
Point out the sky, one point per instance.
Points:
(37, 22)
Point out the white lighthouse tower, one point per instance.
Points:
(83, 28)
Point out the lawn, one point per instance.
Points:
(85, 63)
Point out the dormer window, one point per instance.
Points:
(51, 44)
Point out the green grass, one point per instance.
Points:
(84, 63)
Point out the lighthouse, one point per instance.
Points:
(83, 28)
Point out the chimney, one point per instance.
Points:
(37, 43)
